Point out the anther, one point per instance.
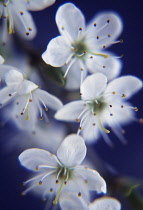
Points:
(121, 40)
(29, 29)
(111, 114)
(40, 182)
(94, 124)
(108, 20)
(79, 194)
(77, 120)
(57, 181)
(80, 128)
(136, 109)
(9, 94)
(86, 181)
(21, 13)
(51, 189)
(109, 35)
(123, 95)
(63, 28)
(80, 94)
(80, 29)
(97, 37)
(94, 114)
(21, 113)
(46, 109)
(113, 92)
(65, 182)
(95, 24)
(41, 118)
(104, 46)
(27, 33)
(30, 100)
(122, 106)
(37, 168)
(91, 56)
(110, 105)
(141, 120)
(104, 67)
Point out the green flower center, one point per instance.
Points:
(79, 48)
(97, 106)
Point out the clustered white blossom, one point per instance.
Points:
(102, 106)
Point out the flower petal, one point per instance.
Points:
(106, 27)
(127, 85)
(57, 52)
(70, 111)
(27, 87)
(23, 22)
(70, 25)
(105, 203)
(110, 67)
(1, 60)
(72, 150)
(13, 77)
(50, 100)
(93, 86)
(32, 158)
(92, 178)
(70, 201)
(35, 5)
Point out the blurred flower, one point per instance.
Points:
(102, 105)
(16, 16)
(27, 97)
(69, 201)
(80, 47)
(1, 60)
(63, 172)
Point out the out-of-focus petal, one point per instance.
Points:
(35, 5)
(72, 150)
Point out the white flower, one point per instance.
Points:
(69, 201)
(63, 172)
(80, 47)
(16, 16)
(28, 99)
(35, 5)
(103, 104)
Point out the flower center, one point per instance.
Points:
(97, 106)
(63, 174)
(79, 48)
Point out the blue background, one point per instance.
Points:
(127, 160)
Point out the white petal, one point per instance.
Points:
(1, 60)
(70, 201)
(13, 77)
(4, 95)
(32, 158)
(93, 86)
(127, 85)
(94, 180)
(72, 150)
(73, 78)
(24, 23)
(70, 111)
(57, 52)
(27, 87)
(108, 28)
(50, 100)
(35, 5)
(110, 67)
(105, 203)
(69, 25)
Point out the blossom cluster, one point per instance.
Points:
(51, 149)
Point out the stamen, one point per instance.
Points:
(71, 63)
(47, 174)
(45, 166)
(58, 193)
(101, 126)
(100, 54)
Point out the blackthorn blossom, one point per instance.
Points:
(102, 104)
(63, 172)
